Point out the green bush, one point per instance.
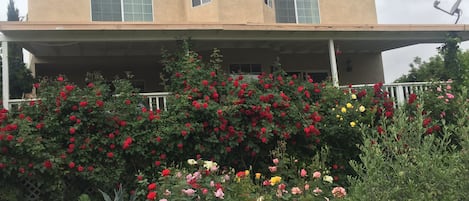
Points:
(406, 162)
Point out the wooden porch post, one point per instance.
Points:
(5, 76)
(333, 61)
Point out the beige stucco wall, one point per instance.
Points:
(348, 12)
(59, 10)
(217, 11)
(170, 13)
(176, 12)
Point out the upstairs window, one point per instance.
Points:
(297, 11)
(196, 3)
(268, 3)
(122, 10)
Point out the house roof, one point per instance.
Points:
(54, 39)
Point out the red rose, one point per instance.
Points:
(90, 85)
(73, 118)
(127, 102)
(72, 130)
(183, 133)
(152, 195)
(301, 88)
(10, 137)
(80, 168)
(122, 123)
(165, 172)
(47, 164)
(69, 88)
(99, 103)
(71, 165)
(151, 186)
(204, 82)
(110, 154)
(90, 168)
(83, 104)
(157, 163)
(36, 85)
(139, 177)
(60, 79)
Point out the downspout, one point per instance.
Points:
(333, 61)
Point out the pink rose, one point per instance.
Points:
(189, 192)
(275, 161)
(273, 169)
(219, 193)
(316, 175)
(303, 173)
(296, 191)
(339, 192)
(317, 190)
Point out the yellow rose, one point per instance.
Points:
(352, 124)
(349, 105)
(353, 96)
(192, 162)
(328, 178)
(258, 175)
(210, 164)
(343, 110)
(246, 172)
(275, 180)
(361, 108)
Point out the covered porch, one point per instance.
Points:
(345, 54)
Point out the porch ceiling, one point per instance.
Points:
(114, 39)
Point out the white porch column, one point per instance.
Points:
(333, 61)
(5, 76)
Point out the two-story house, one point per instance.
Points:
(327, 39)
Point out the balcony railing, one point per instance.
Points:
(399, 92)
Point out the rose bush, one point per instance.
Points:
(206, 180)
(76, 137)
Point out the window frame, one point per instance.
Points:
(122, 9)
(251, 67)
(297, 20)
(202, 3)
(268, 3)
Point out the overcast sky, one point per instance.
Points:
(396, 62)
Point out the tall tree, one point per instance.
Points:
(450, 63)
(21, 79)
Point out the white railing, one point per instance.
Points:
(400, 92)
(154, 100)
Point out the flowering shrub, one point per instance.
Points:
(404, 161)
(216, 116)
(76, 134)
(93, 136)
(205, 180)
